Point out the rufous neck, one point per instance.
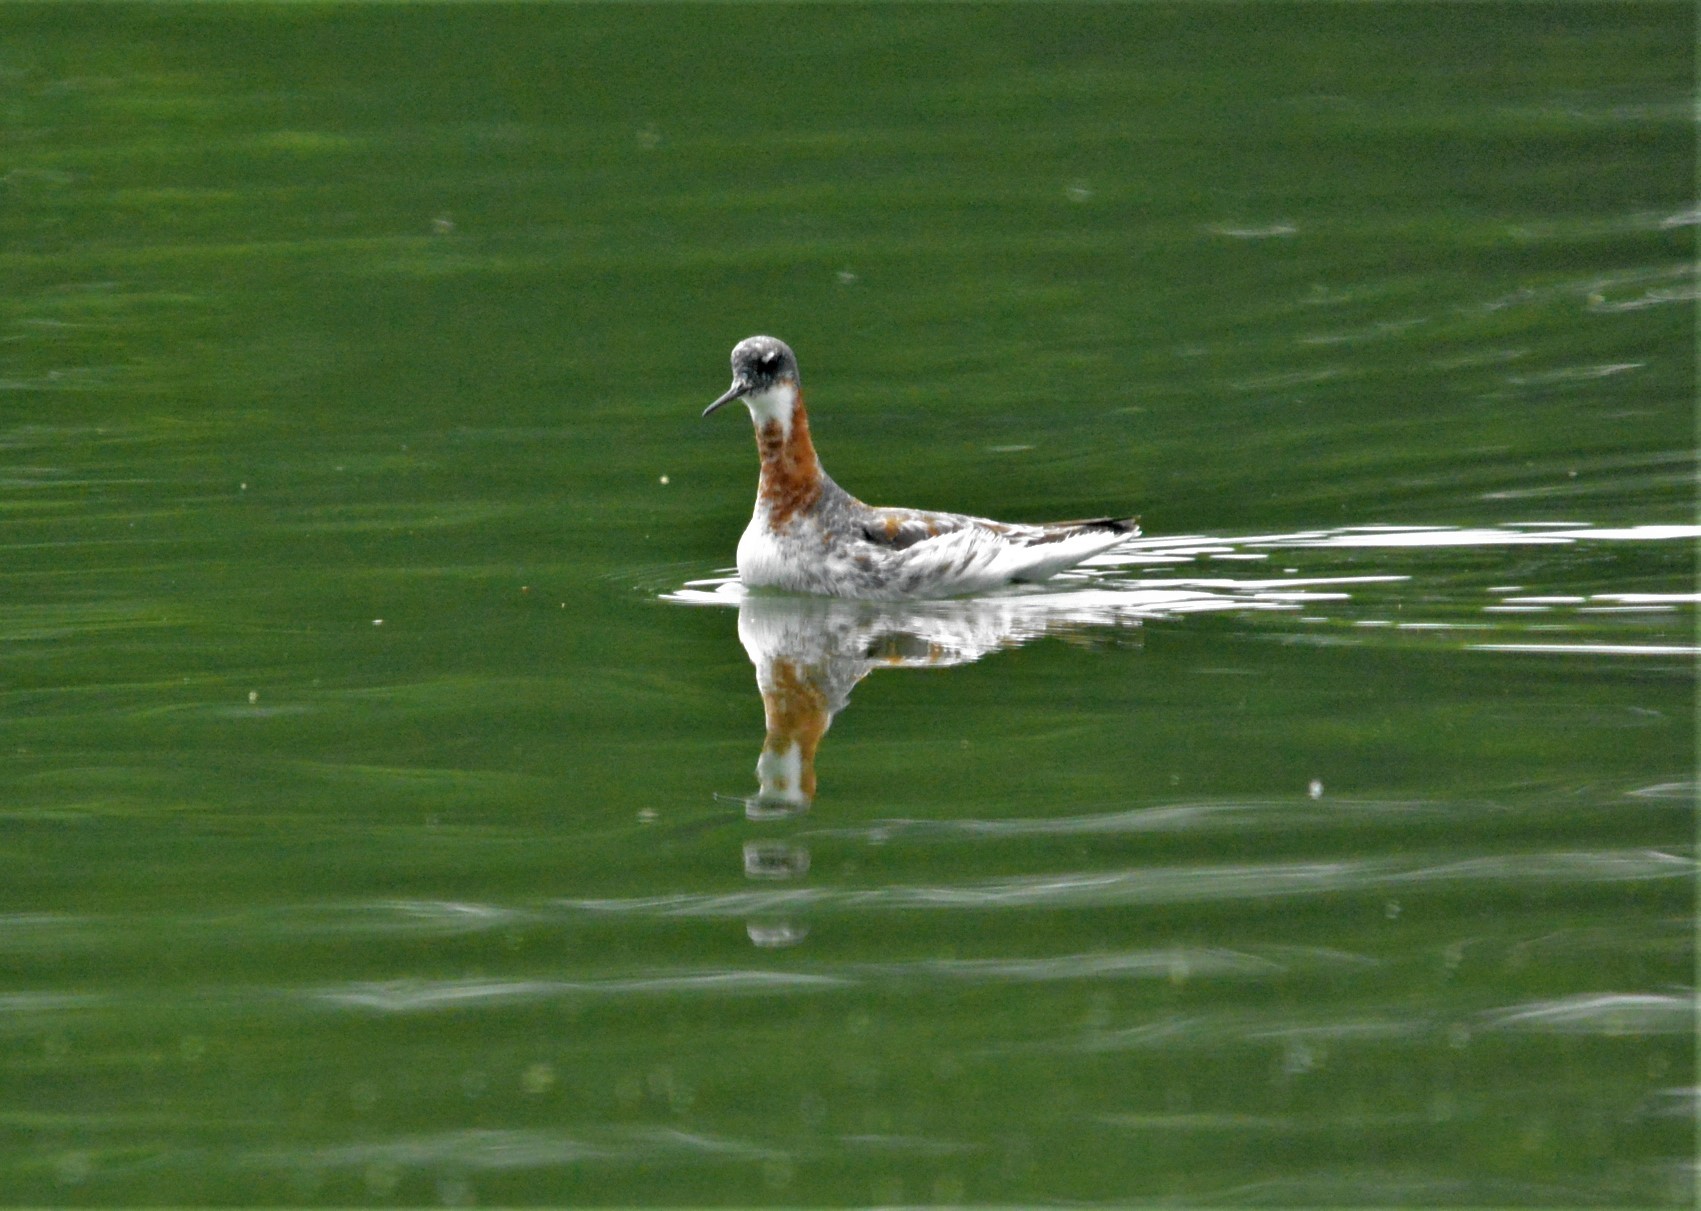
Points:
(791, 473)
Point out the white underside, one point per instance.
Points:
(964, 561)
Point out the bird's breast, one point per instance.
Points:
(791, 474)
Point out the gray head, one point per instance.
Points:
(758, 364)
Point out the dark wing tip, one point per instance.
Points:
(1116, 525)
(1057, 531)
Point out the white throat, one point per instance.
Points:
(773, 404)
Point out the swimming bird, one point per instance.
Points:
(808, 535)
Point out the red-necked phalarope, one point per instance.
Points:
(809, 535)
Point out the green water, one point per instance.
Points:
(378, 821)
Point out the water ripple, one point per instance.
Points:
(1600, 1013)
(1170, 885)
(1216, 1030)
(495, 1149)
(1176, 965)
(412, 996)
(1172, 817)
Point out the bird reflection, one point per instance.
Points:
(809, 654)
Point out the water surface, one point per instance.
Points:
(397, 804)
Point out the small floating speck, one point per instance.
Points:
(377, 622)
(1315, 789)
(1015, 449)
(846, 277)
(253, 697)
(663, 480)
(538, 1078)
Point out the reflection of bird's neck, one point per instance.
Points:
(791, 473)
(797, 716)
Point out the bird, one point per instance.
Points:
(808, 535)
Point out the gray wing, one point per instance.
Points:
(898, 529)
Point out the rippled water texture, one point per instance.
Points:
(401, 805)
